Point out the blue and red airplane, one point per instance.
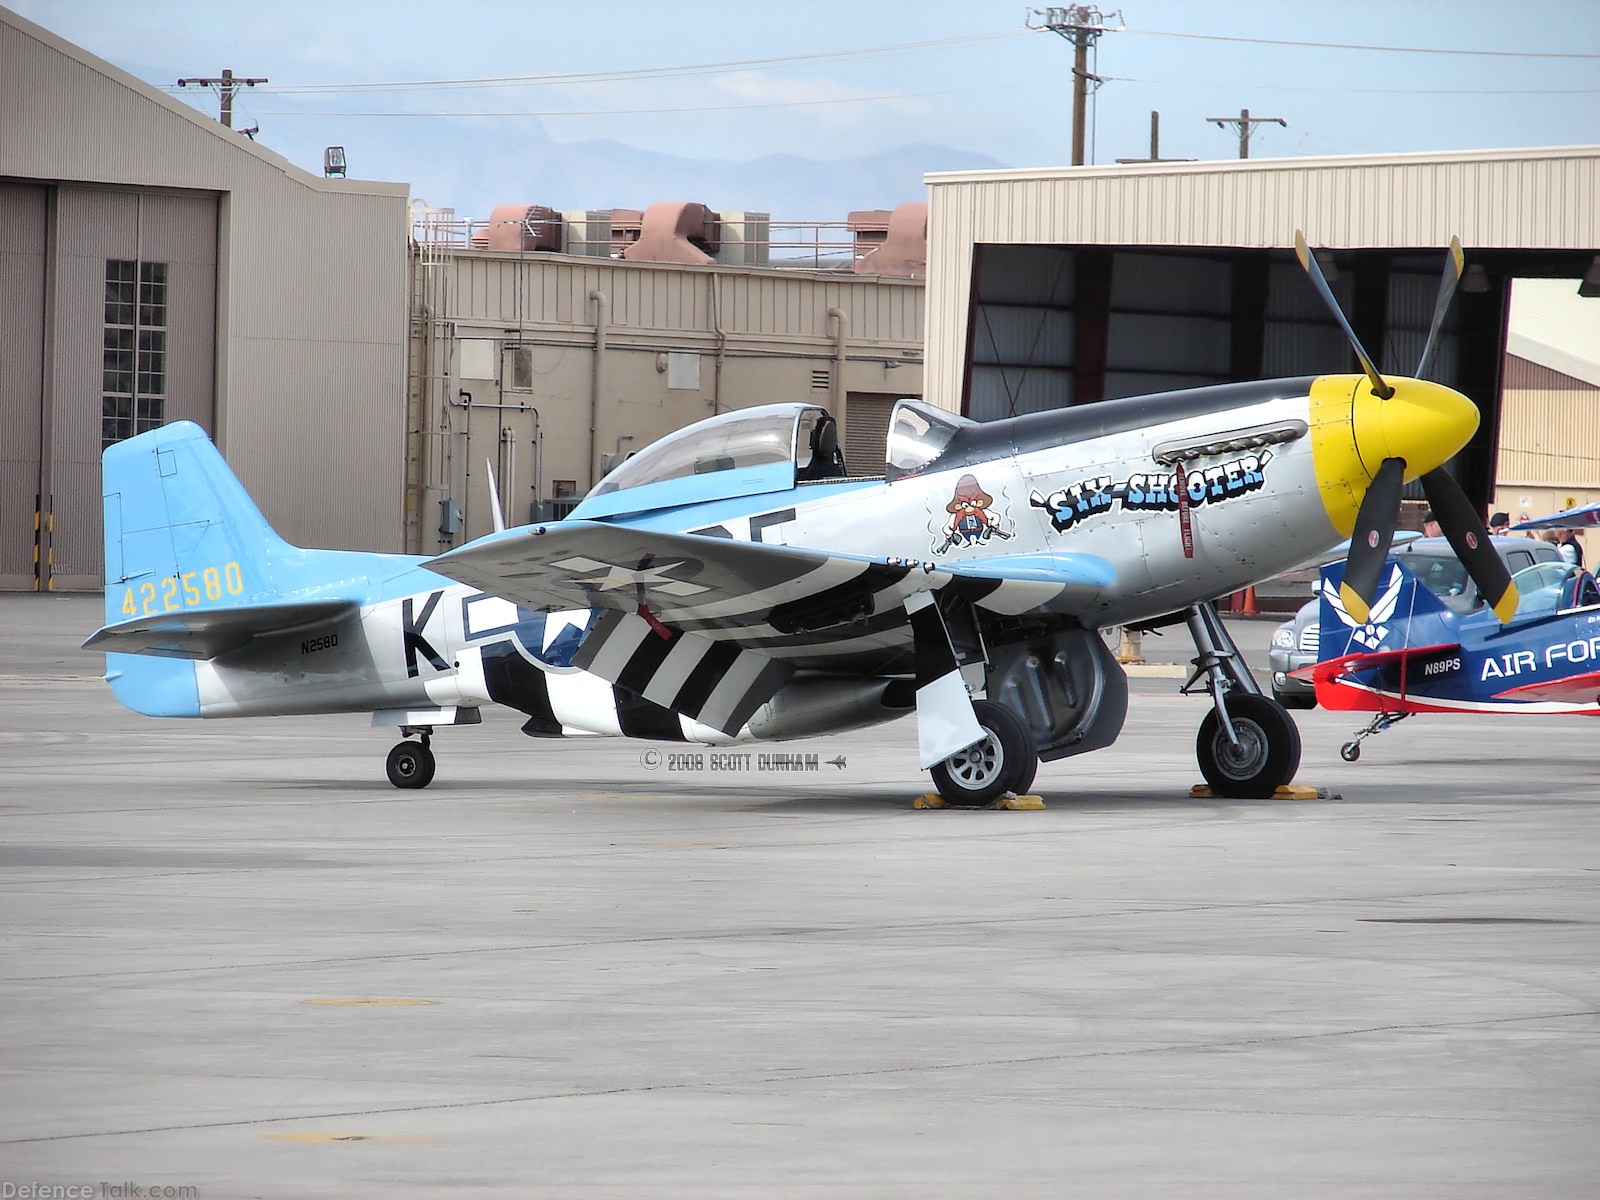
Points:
(1415, 654)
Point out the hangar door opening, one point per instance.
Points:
(114, 294)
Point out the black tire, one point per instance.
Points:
(1294, 699)
(1350, 751)
(410, 765)
(1266, 758)
(1005, 761)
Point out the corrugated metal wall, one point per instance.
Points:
(680, 343)
(1024, 330)
(1549, 428)
(23, 229)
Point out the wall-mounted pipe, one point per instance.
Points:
(602, 323)
(841, 332)
(722, 342)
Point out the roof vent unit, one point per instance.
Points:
(587, 232)
(522, 227)
(626, 225)
(868, 226)
(904, 252)
(746, 239)
(677, 232)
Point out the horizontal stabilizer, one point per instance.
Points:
(1338, 691)
(1348, 664)
(1575, 689)
(211, 633)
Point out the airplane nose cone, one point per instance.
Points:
(1423, 423)
(1353, 431)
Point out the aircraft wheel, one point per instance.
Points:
(1350, 751)
(410, 765)
(1005, 761)
(1266, 757)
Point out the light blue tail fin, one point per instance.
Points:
(194, 571)
(1405, 613)
(181, 533)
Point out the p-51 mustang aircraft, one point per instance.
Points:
(730, 581)
(1415, 654)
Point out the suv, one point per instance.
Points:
(1434, 563)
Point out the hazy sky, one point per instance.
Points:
(966, 75)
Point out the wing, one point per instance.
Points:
(789, 602)
(1334, 677)
(1575, 689)
(711, 627)
(211, 633)
(1348, 664)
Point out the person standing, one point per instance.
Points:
(1571, 548)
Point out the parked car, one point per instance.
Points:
(1294, 643)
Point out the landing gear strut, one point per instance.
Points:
(410, 764)
(1248, 746)
(1351, 750)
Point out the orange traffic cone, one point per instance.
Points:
(1248, 608)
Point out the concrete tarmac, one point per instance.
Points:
(238, 962)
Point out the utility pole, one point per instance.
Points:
(1244, 121)
(226, 85)
(1155, 145)
(1080, 25)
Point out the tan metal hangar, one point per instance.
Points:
(1067, 285)
(159, 265)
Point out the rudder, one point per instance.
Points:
(1405, 613)
(181, 532)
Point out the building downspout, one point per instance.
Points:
(722, 343)
(840, 333)
(602, 322)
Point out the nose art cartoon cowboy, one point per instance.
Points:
(971, 522)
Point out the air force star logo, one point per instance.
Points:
(611, 577)
(1371, 634)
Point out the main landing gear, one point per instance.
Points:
(1006, 760)
(1248, 746)
(410, 763)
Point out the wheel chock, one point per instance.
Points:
(1289, 791)
(1010, 802)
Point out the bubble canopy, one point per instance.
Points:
(743, 452)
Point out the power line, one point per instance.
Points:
(634, 112)
(638, 73)
(1258, 86)
(1217, 37)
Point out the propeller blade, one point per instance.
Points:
(1369, 543)
(1454, 264)
(1314, 269)
(1470, 540)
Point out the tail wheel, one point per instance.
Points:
(1265, 757)
(1004, 761)
(410, 765)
